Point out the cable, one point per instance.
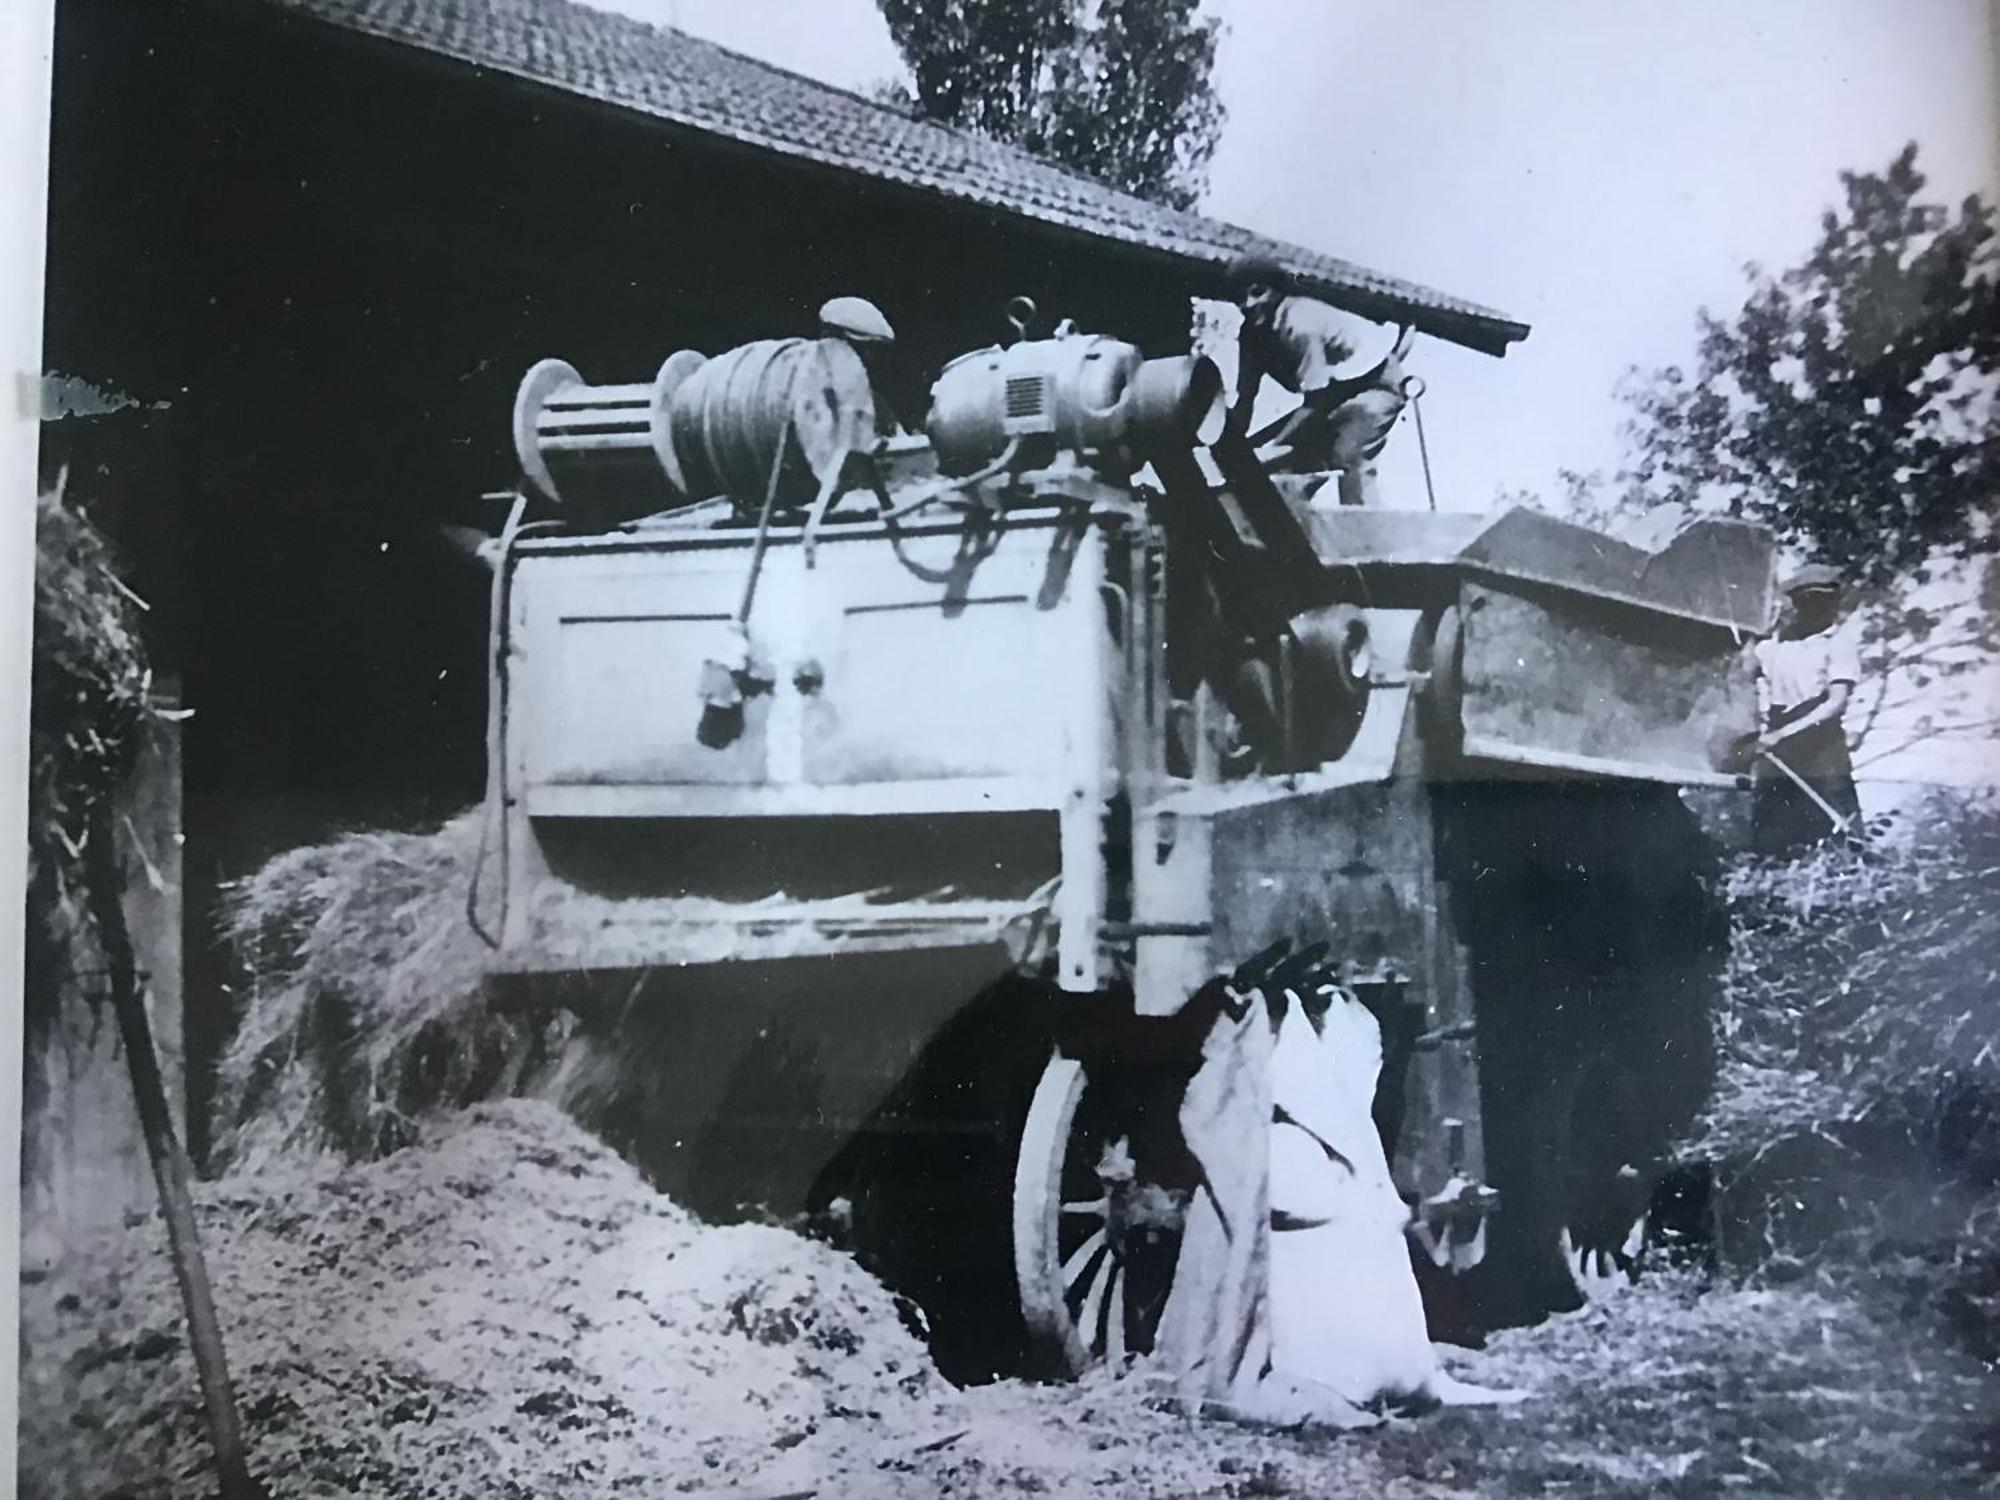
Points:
(939, 491)
(763, 540)
(496, 725)
(1413, 387)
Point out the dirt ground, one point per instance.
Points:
(506, 1310)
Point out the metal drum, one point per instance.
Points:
(589, 447)
(729, 422)
(1177, 400)
(701, 428)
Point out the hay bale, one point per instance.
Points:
(364, 1008)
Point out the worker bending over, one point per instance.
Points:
(1347, 370)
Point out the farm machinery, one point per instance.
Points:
(952, 791)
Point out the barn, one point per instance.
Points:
(302, 250)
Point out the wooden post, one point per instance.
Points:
(104, 886)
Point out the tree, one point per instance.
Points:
(1118, 90)
(1853, 405)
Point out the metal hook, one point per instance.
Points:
(1020, 313)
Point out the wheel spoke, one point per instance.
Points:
(1092, 1311)
(1078, 1265)
(1114, 1320)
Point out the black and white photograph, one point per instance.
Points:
(883, 749)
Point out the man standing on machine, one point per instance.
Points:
(1348, 371)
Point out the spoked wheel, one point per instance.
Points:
(1096, 1236)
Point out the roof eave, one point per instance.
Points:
(1481, 330)
(1484, 334)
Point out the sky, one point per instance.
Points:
(1600, 171)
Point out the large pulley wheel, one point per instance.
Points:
(1096, 1236)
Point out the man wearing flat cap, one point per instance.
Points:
(1806, 674)
(1347, 371)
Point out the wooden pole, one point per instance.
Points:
(104, 883)
(1841, 822)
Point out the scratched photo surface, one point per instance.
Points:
(892, 748)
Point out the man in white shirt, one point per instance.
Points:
(1806, 675)
(1347, 370)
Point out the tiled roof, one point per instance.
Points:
(695, 84)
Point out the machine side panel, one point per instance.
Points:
(1356, 866)
(900, 694)
(1568, 686)
(949, 658)
(964, 662)
(609, 676)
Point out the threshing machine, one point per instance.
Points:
(795, 727)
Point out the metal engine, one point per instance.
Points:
(1085, 395)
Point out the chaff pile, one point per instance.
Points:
(504, 1309)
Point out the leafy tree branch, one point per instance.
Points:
(1852, 404)
(1118, 90)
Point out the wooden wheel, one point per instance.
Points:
(1095, 1238)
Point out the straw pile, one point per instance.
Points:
(92, 712)
(91, 708)
(1858, 1114)
(506, 1310)
(365, 1012)
(362, 981)
(92, 685)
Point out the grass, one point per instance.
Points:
(1683, 1387)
